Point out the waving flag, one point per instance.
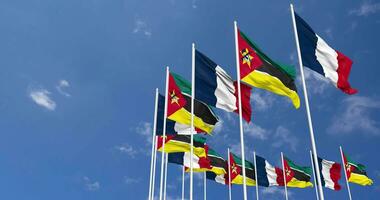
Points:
(237, 172)
(356, 172)
(179, 106)
(172, 127)
(258, 70)
(182, 143)
(217, 178)
(216, 163)
(267, 175)
(297, 176)
(184, 159)
(321, 58)
(216, 88)
(330, 173)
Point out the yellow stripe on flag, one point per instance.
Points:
(298, 184)
(239, 181)
(265, 81)
(360, 179)
(182, 116)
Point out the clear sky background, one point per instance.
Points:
(77, 81)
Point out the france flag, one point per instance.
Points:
(320, 57)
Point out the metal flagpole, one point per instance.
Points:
(313, 146)
(314, 168)
(183, 183)
(284, 174)
(154, 167)
(229, 175)
(204, 186)
(345, 172)
(164, 132)
(240, 111)
(257, 179)
(166, 174)
(192, 117)
(151, 185)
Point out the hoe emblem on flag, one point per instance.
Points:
(247, 58)
(174, 98)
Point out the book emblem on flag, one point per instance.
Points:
(174, 98)
(234, 168)
(246, 57)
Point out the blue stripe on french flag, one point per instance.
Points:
(331, 173)
(266, 173)
(320, 57)
(213, 85)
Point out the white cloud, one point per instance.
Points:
(218, 127)
(255, 131)
(130, 180)
(329, 33)
(355, 114)
(145, 129)
(316, 83)
(366, 8)
(127, 149)
(262, 100)
(194, 4)
(41, 97)
(62, 84)
(283, 137)
(274, 191)
(91, 185)
(142, 27)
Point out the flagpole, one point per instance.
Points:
(166, 174)
(345, 172)
(229, 175)
(153, 145)
(284, 174)
(183, 183)
(257, 179)
(313, 145)
(164, 132)
(192, 117)
(240, 111)
(314, 168)
(204, 186)
(154, 167)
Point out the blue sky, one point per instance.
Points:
(77, 88)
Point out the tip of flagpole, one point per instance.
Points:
(156, 90)
(167, 68)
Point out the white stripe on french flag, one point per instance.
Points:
(330, 173)
(320, 57)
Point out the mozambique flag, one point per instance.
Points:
(297, 176)
(258, 70)
(179, 106)
(182, 143)
(356, 172)
(236, 169)
(217, 164)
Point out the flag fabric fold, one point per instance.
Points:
(321, 58)
(179, 106)
(236, 171)
(330, 172)
(297, 176)
(268, 175)
(216, 88)
(356, 173)
(258, 70)
(182, 143)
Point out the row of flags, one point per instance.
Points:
(226, 172)
(215, 88)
